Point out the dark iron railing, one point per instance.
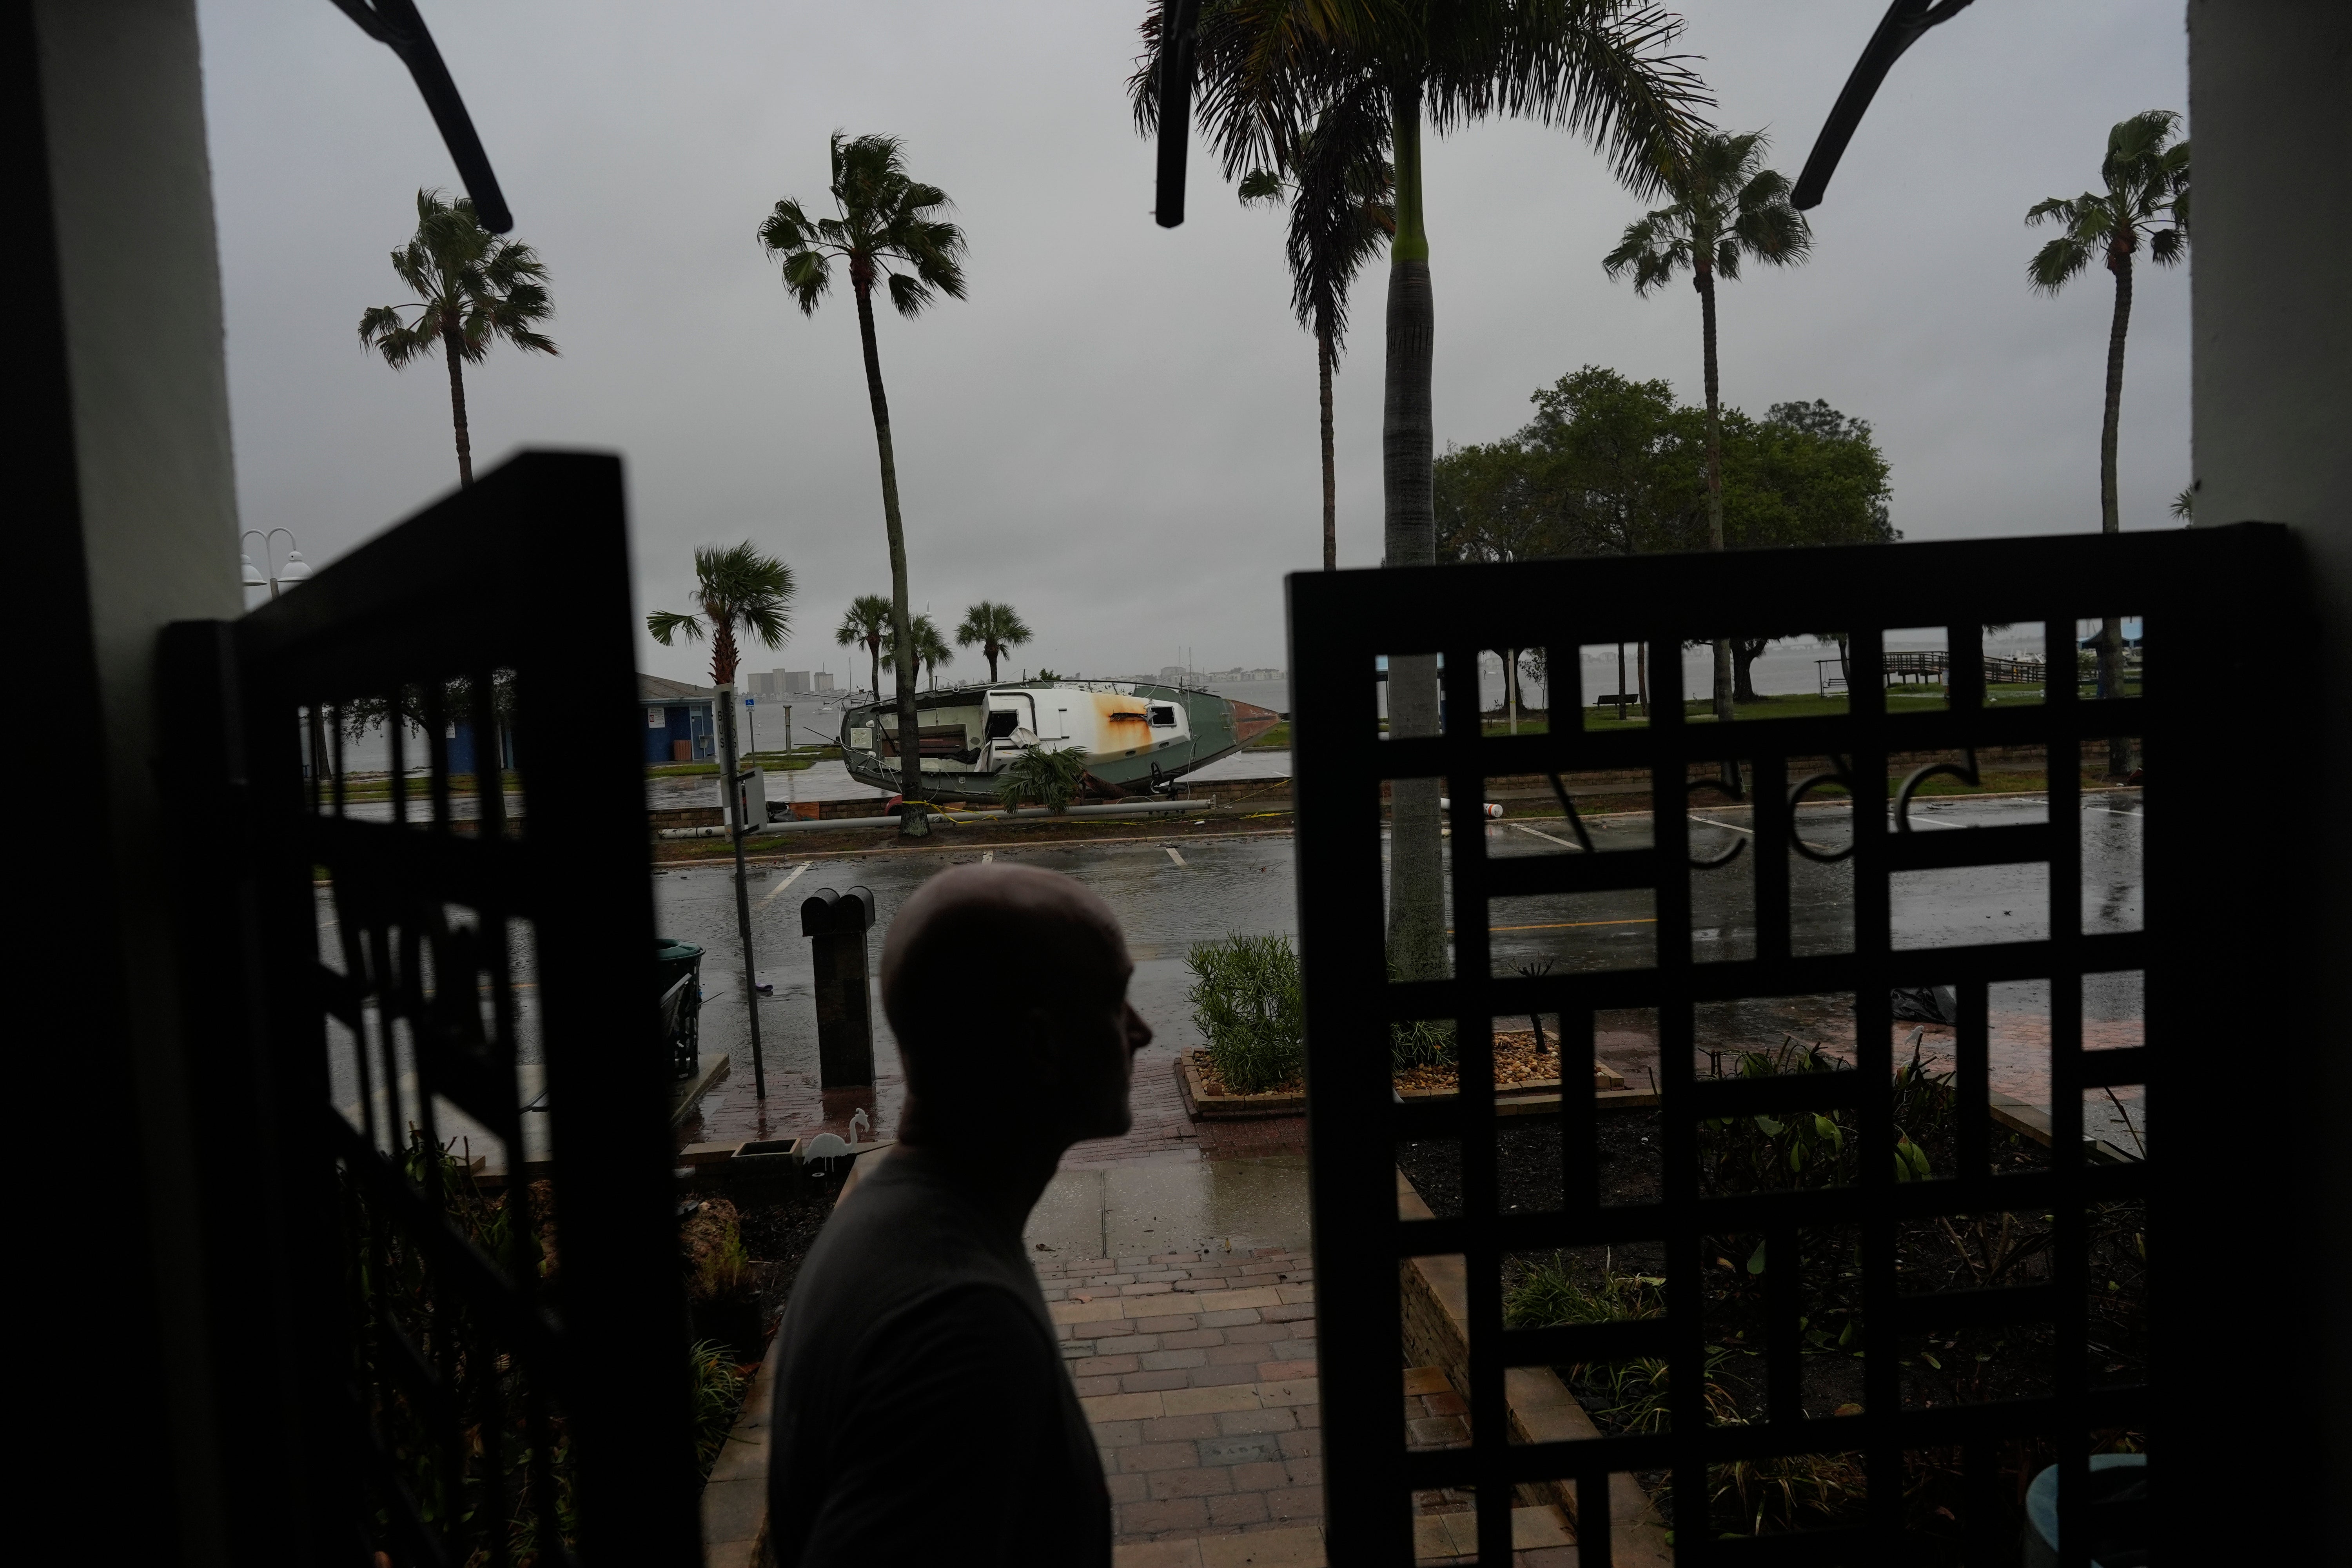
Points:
(441, 1019)
(2210, 600)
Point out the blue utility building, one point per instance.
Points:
(678, 719)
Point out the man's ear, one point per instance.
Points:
(1036, 1047)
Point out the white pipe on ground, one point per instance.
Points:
(1113, 808)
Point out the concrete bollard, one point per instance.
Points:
(835, 925)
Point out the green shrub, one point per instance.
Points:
(718, 1395)
(1246, 1004)
(1419, 1042)
(1052, 779)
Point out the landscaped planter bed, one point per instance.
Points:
(1528, 1081)
(1938, 1368)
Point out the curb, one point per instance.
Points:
(1202, 1106)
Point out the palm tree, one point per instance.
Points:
(888, 222)
(1725, 206)
(997, 628)
(472, 289)
(737, 586)
(868, 621)
(1341, 189)
(930, 648)
(1590, 65)
(2147, 176)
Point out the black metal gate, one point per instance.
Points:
(403, 985)
(2216, 611)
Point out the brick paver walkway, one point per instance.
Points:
(1199, 1375)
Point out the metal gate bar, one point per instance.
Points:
(2203, 596)
(447, 1399)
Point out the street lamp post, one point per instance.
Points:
(277, 577)
(271, 574)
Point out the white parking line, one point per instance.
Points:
(1547, 838)
(798, 871)
(1717, 822)
(1172, 854)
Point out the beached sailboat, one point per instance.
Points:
(1135, 738)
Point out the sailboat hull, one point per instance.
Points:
(1136, 737)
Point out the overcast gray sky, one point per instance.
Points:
(1116, 431)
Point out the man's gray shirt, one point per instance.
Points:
(922, 1411)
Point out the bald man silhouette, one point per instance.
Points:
(922, 1411)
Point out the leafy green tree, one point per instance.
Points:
(734, 588)
(1606, 466)
(472, 289)
(2147, 175)
(930, 648)
(1803, 475)
(866, 621)
(1594, 67)
(1613, 467)
(1341, 188)
(1725, 206)
(997, 628)
(889, 233)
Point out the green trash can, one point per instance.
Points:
(680, 964)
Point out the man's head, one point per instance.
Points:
(1006, 986)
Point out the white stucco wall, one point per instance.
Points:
(2269, 85)
(139, 281)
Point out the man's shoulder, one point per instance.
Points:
(898, 1243)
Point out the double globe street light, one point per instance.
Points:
(293, 570)
(280, 576)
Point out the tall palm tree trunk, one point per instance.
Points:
(1330, 474)
(1703, 278)
(874, 656)
(449, 330)
(912, 822)
(724, 658)
(1409, 519)
(2111, 629)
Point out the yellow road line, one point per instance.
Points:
(798, 872)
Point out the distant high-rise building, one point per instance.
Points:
(821, 682)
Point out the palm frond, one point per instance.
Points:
(1261, 186)
(1594, 68)
(2057, 263)
(809, 275)
(2059, 209)
(908, 295)
(667, 624)
(787, 228)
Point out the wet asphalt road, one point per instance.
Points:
(1246, 884)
